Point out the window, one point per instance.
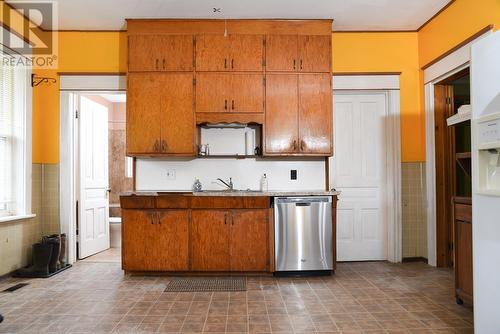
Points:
(14, 97)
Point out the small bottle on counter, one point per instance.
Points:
(263, 183)
(197, 187)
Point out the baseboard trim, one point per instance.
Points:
(415, 259)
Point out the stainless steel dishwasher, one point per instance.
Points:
(303, 234)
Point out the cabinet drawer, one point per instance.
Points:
(137, 202)
(228, 202)
(172, 202)
(463, 212)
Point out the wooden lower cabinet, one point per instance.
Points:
(210, 240)
(249, 244)
(155, 240)
(463, 250)
(230, 240)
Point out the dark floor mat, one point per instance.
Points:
(15, 287)
(206, 284)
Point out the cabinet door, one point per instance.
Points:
(463, 260)
(171, 241)
(247, 52)
(137, 250)
(175, 52)
(212, 52)
(177, 114)
(281, 53)
(247, 93)
(281, 127)
(143, 113)
(315, 114)
(315, 53)
(249, 240)
(212, 90)
(210, 240)
(142, 53)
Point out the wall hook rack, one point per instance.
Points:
(36, 80)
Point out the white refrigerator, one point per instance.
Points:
(485, 100)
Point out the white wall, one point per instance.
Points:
(246, 173)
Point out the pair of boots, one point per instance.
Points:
(48, 256)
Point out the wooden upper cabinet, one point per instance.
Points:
(281, 125)
(282, 53)
(177, 114)
(228, 92)
(212, 92)
(315, 53)
(210, 240)
(247, 93)
(247, 52)
(143, 113)
(149, 53)
(249, 245)
(160, 115)
(298, 53)
(215, 52)
(315, 114)
(212, 52)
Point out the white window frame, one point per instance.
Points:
(23, 156)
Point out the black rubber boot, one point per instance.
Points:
(41, 258)
(55, 241)
(62, 254)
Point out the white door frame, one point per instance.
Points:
(388, 84)
(70, 87)
(447, 66)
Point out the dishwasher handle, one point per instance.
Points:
(303, 201)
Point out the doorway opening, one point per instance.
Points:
(102, 172)
(452, 159)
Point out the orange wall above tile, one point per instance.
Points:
(388, 52)
(456, 23)
(79, 52)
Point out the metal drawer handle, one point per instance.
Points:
(302, 204)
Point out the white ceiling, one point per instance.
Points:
(348, 14)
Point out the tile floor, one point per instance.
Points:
(113, 254)
(360, 298)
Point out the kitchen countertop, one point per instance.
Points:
(271, 193)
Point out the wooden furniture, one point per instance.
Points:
(298, 115)
(463, 249)
(232, 53)
(160, 118)
(196, 233)
(294, 53)
(182, 73)
(227, 92)
(189, 233)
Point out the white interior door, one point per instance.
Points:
(358, 170)
(93, 210)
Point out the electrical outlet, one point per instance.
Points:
(170, 174)
(293, 174)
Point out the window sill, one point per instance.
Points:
(6, 219)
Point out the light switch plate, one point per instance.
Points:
(170, 174)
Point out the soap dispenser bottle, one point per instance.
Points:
(263, 183)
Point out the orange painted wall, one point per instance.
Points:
(389, 52)
(459, 21)
(89, 52)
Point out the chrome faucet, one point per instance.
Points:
(228, 185)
